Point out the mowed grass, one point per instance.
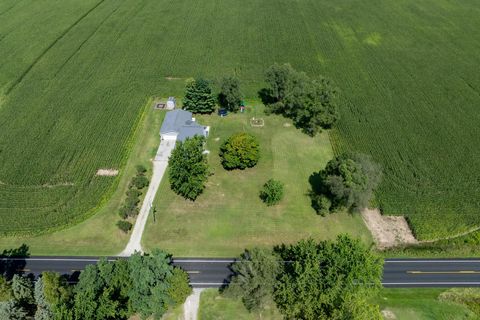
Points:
(229, 216)
(214, 306)
(420, 304)
(396, 304)
(75, 74)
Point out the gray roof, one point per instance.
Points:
(174, 120)
(190, 130)
(180, 121)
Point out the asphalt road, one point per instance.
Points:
(211, 272)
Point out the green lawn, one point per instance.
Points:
(399, 304)
(421, 304)
(99, 235)
(213, 306)
(229, 216)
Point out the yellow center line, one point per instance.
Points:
(445, 272)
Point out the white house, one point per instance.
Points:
(179, 125)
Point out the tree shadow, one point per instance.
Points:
(12, 261)
(266, 96)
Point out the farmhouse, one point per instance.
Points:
(179, 125)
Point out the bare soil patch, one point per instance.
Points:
(388, 231)
(388, 314)
(107, 172)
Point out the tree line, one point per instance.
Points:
(310, 280)
(145, 285)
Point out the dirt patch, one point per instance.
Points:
(172, 78)
(217, 139)
(62, 184)
(388, 314)
(388, 231)
(107, 172)
(287, 125)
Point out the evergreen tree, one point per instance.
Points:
(11, 310)
(44, 310)
(199, 97)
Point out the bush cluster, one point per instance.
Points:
(130, 208)
(272, 192)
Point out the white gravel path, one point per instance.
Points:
(191, 305)
(159, 167)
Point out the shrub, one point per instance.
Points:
(134, 193)
(272, 192)
(140, 182)
(140, 169)
(240, 151)
(322, 204)
(179, 288)
(125, 226)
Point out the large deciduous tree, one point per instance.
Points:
(188, 168)
(348, 181)
(230, 96)
(328, 280)
(254, 278)
(199, 97)
(311, 104)
(149, 294)
(240, 151)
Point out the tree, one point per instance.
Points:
(5, 289)
(272, 192)
(179, 288)
(125, 226)
(254, 278)
(240, 151)
(199, 97)
(188, 168)
(56, 293)
(230, 96)
(311, 104)
(87, 293)
(22, 288)
(328, 280)
(11, 310)
(348, 181)
(44, 309)
(319, 109)
(149, 294)
(102, 291)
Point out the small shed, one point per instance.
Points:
(171, 102)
